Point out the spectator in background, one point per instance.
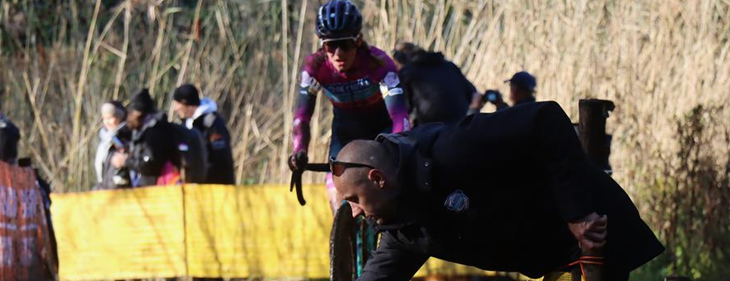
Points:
(521, 90)
(114, 136)
(9, 137)
(153, 149)
(203, 116)
(403, 53)
(435, 88)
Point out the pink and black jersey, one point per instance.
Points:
(367, 100)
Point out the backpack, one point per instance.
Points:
(193, 154)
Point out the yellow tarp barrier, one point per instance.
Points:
(226, 231)
(119, 234)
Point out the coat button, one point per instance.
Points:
(426, 164)
(426, 183)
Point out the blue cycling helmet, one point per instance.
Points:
(338, 19)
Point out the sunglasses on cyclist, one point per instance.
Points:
(344, 44)
(338, 167)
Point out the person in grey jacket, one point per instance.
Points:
(113, 136)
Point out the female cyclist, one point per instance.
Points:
(361, 81)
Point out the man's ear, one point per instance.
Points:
(376, 176)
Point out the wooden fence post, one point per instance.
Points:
(592, 131)
(597, 146)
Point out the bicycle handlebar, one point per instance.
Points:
(296, 178)
(318, 167)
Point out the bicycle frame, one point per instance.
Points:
(351, 242)
(351, 239)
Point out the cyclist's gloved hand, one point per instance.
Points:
(298, 161)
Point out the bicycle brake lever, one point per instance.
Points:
(296, 180)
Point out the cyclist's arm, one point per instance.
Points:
(395, 101)
(392, 262)
(306, 100)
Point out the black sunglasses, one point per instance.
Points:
(338, 167)
(344, 45)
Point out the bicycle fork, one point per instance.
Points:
(364, 243)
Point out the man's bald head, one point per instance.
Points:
(369, 190)
(367, 152)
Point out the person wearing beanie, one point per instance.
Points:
(202, 115)
(153, 145)
(142, 103)
(114, 136)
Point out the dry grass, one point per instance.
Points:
(656, 59)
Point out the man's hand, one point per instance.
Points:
(477, 101)
(590, 232)
(118, 159)
(495, 97)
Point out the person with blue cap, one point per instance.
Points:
(522, 88)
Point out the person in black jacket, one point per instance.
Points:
(203, 116)
(435, 88)
(9, 137)
(508, 191)
(153, 145)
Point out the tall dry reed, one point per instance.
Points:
(657, 60)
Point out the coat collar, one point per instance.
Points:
(414, 177)
(206, 106)
(527, 100)
(150, 120)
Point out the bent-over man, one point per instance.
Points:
(508, 191)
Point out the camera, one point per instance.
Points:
(492, 96)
